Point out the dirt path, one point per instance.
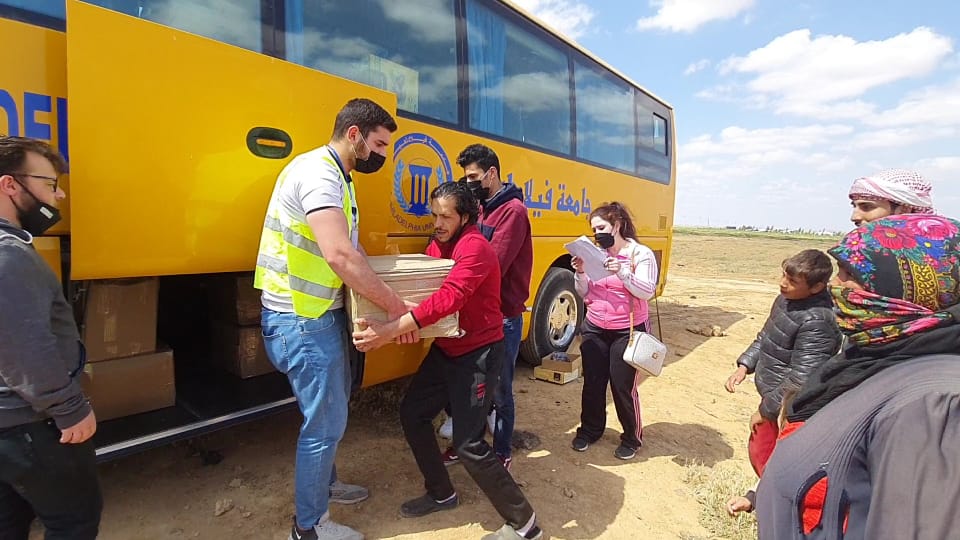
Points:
(688, 418)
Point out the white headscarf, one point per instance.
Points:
(902, 187)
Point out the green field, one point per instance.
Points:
(736, 233)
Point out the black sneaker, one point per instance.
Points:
(580, 444)
(624, 452)
(425, 504)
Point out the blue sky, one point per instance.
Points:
(781, 104)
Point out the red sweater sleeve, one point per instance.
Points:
(470, 268)
(510, 235)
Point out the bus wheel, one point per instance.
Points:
(556, 317)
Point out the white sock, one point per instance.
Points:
(448, 499)
(522, 531)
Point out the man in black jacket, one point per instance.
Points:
(800, 334)
(47, 460)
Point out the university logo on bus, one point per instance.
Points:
(421, 165)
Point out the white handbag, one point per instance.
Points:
(644, 352)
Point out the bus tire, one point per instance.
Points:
(557, 314)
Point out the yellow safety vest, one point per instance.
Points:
(290, 262)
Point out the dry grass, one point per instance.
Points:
(712, 487)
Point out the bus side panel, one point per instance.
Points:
(163, 180)
(33, 92)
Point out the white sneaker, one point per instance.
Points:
(342, 493)
(326, 530)
(446, 430)
(492, 421)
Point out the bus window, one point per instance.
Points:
(519, 83)
(605, 120)
(659, 134)
(49, 13)
(408, 47)
(236, 22)
(653, 161)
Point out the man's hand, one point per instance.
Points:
(738, 504)
(738, 376)
(756, 420)
(81, 431)
(369, 335)
(401, 310)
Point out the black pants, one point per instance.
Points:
(40, 477)
(602, 353)
(468, 383)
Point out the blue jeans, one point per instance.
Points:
(503, 397)
(313, 355)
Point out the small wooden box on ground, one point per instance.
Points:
(558, 377)
(414, 277)
(131, 385)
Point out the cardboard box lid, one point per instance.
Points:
(406, 265)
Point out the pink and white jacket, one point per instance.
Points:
(608, 300)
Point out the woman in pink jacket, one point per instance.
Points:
(610, 302)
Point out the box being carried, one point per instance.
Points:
(414, 277)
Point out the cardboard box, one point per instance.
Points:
(120, 318)
(234, 300)
(575, 363)
(557, 377)
(131, 385)
(240, 350)
(415, 278)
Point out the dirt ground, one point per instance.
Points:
(688, 419)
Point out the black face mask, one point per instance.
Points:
(479, 192)
(370, 165)
(38, 219)
(604, 240)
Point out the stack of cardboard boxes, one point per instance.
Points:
(415, 277)
(236, 336)
(125, 372)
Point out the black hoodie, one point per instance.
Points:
(41, 356)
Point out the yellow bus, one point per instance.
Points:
(177, 115)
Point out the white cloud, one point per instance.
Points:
(933, 105)
(810, 76)
(569, 17)
(939, 170)
(899, 137)
(752, 145)
(697, 66)
(688, 15)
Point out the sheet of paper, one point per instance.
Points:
(592, 256)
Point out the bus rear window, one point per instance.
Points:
(237, 22)
(49, 13)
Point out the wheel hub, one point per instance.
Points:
(562, 319)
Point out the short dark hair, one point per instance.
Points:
(614, 213)
(812, 265)
(467, 204)
(13, 152)
(482, 155)
(364, 114)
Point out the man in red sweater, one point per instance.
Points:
(463, 372)
(505, 223)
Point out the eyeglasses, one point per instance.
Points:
(54, 183)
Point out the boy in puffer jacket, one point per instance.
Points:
(800, 334)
